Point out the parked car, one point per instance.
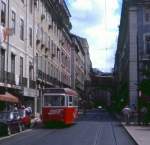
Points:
(25, 118)
(10, 123)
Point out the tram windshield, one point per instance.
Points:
(56, 100)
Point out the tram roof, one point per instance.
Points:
(60, 91)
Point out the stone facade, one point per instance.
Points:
(38, 50)
(132, 55)
(78, 69)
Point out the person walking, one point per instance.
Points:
(127, 114)
(144, 112)
(134, 114)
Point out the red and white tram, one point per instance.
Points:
(59, 105)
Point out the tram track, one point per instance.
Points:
(115, 125)
(113, 132)
(98, 136)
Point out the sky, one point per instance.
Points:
(98, 21)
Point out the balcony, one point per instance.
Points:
(32, 84)
(40, 74)
(2, 76)
(44, 76)
(24, 82)
(11, 78)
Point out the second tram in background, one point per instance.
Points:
(59, 105)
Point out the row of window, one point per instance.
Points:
(147, 45)
(147, 15)
(13, 64)
(13, 23)
(65, 78)
(21, 24)
(52, 70)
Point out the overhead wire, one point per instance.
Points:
(106, 26)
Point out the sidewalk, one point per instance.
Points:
(140, 134)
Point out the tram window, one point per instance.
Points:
(62, 101)
(70, 101)
(54, 100)
(75, 101)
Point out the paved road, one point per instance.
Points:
(97, 127)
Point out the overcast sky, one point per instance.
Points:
(98, 21)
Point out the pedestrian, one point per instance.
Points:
(28, 110)
(127, 114)
(23, 107)
(144, 112)
(15, 108)
(134, 113)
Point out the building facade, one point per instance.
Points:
(78, 68)
(37, 51)
(132, 55)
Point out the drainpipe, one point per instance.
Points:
(34, 57)
(6, 80)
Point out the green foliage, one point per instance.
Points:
(2, 105)
(146, 72)
(121, 97)
(145, 87)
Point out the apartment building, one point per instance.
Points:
(87, 61)
(78, 69)
(36, 51)
(133, 50)
(17, 52)
(53, 45)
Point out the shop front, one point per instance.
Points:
(30, 97)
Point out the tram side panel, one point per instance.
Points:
(53, 114)
(70, 115)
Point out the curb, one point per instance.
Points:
(129, 134)
(118, 118)
(9, 136)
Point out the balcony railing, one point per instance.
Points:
(32, 84)
(40, 74)
(47, 78)
(22, 81)
(2, 76)
(11, 78)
